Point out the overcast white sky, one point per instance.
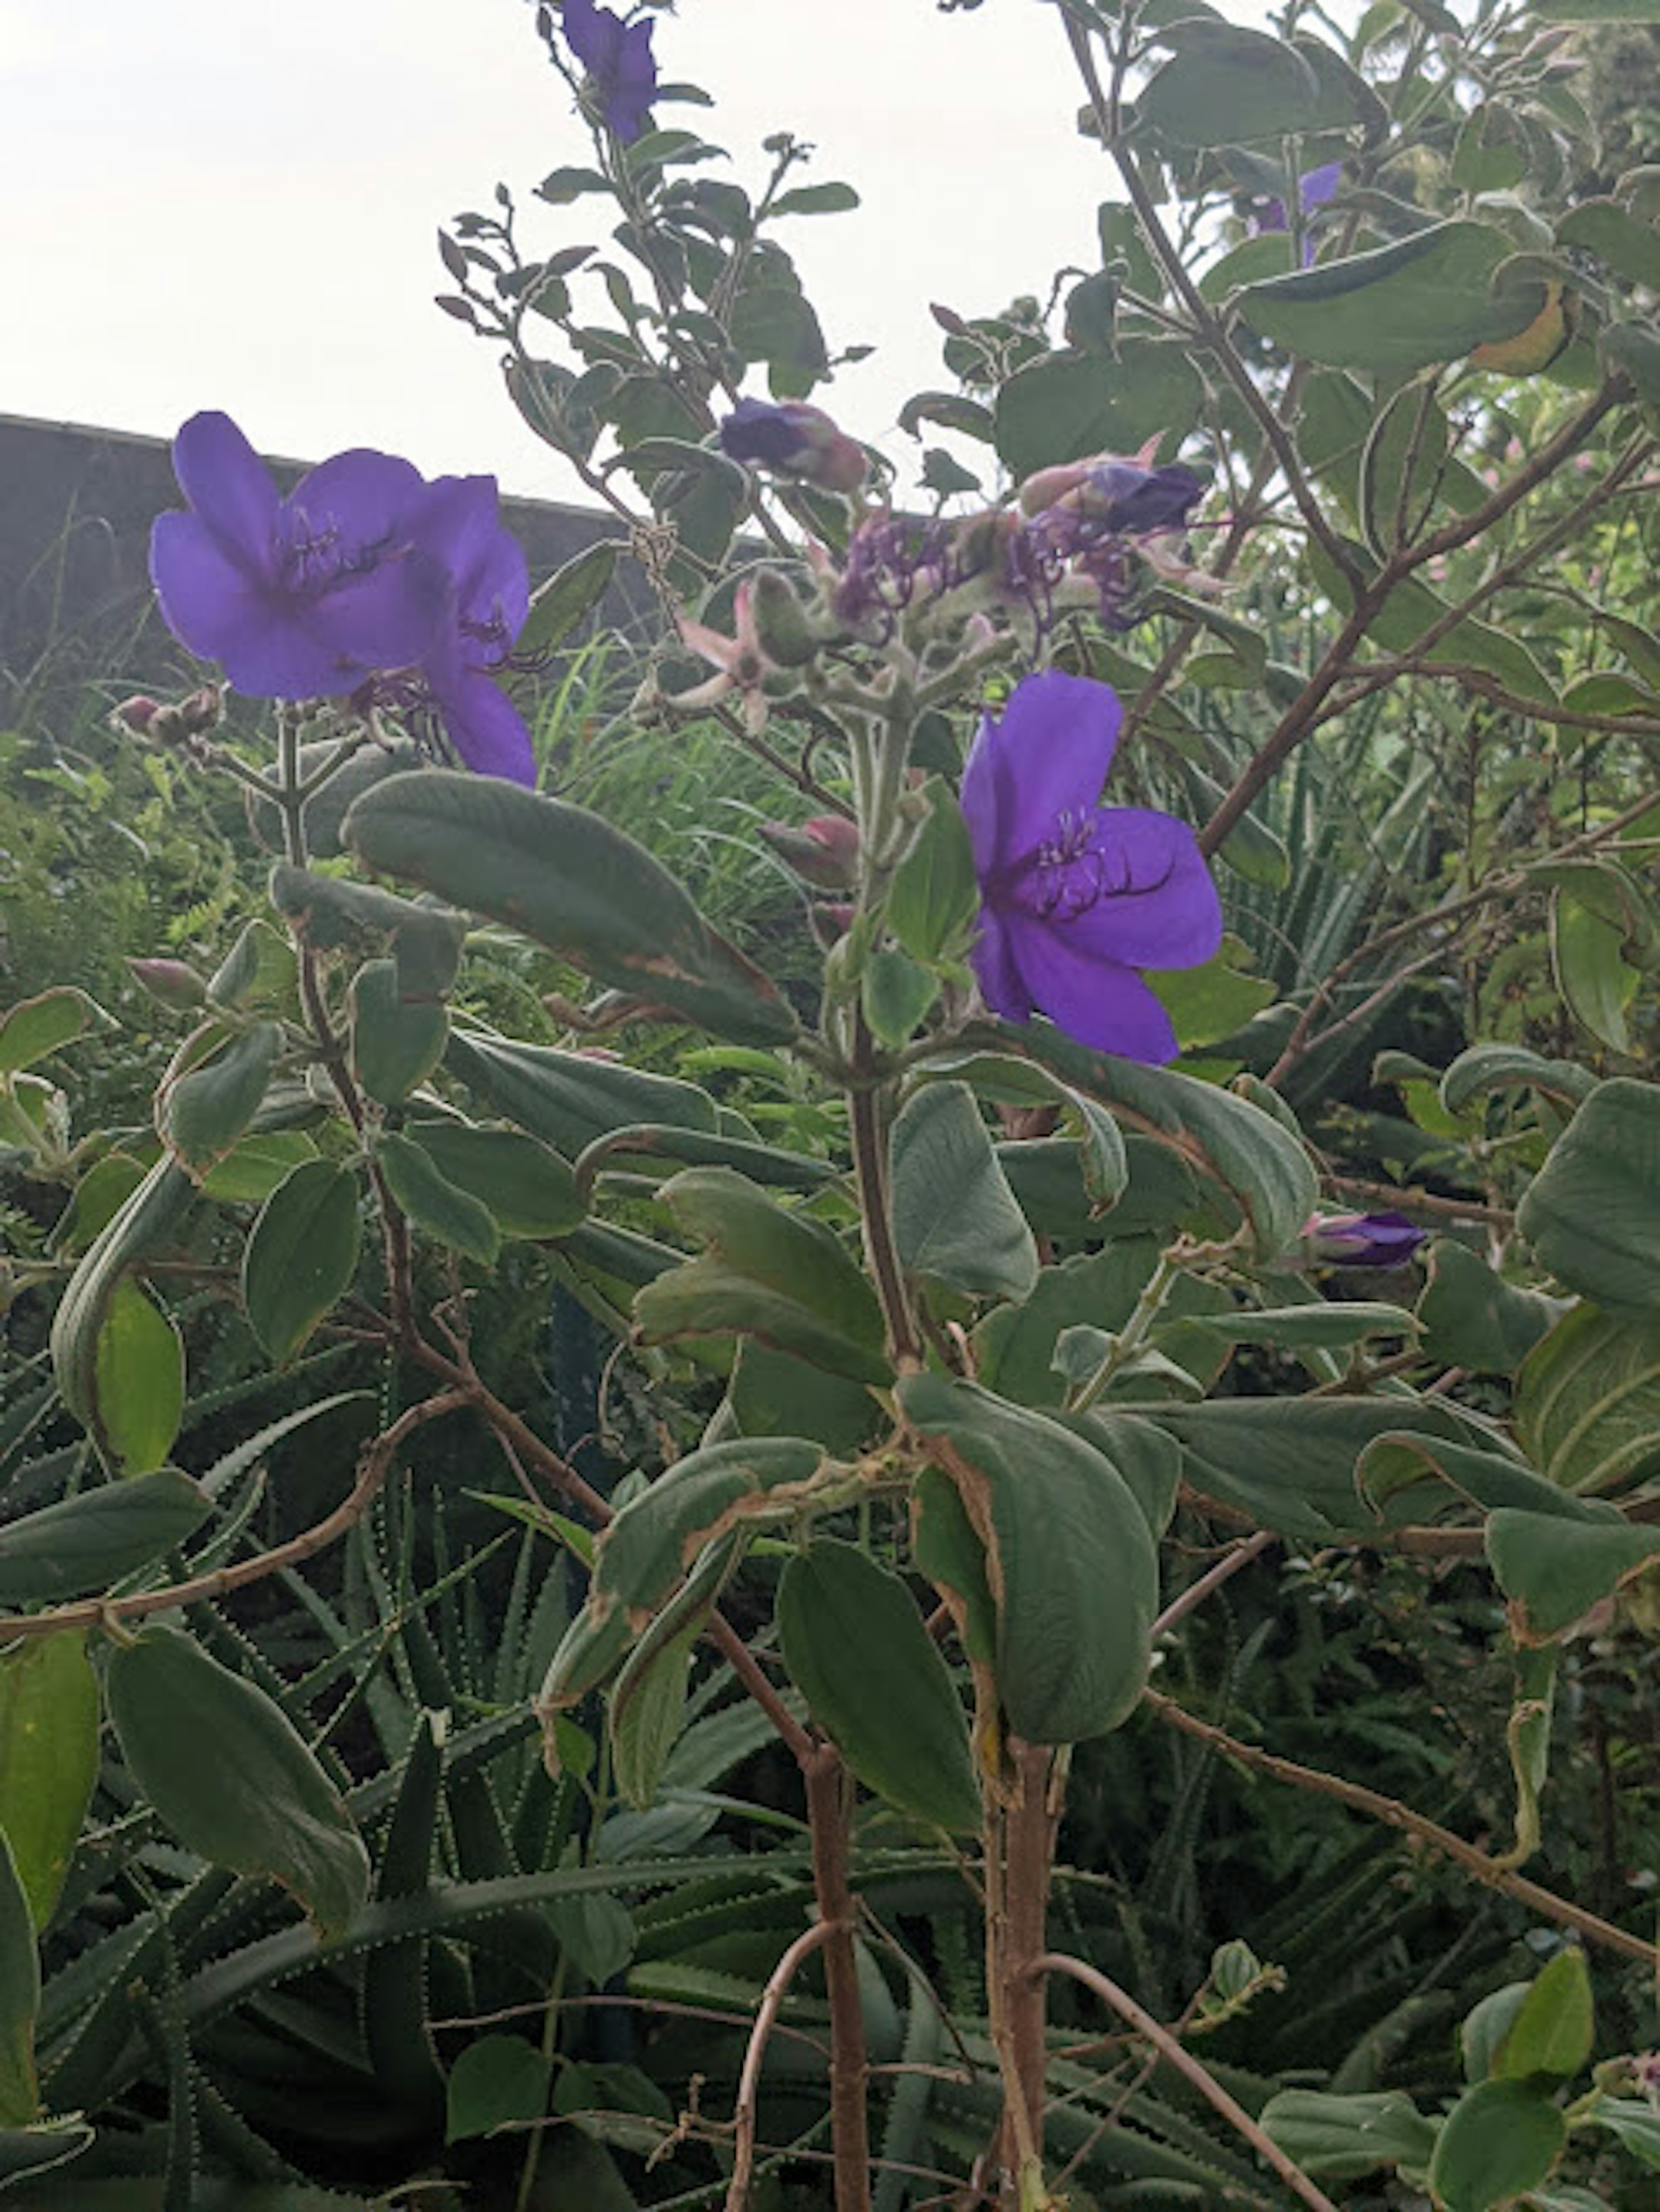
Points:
(233, 205)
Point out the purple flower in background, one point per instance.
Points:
(1110, 494)
(297, 598)
(1314, 188)
(797, 439)
(1076, 897)
(1364, 1240)
(618, 59)
(366, 582)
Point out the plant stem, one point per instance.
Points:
(1202, 2078)
(748, 2082)
(1019, 1851)
(867, 1120)
(830, 1817)
(1397, 1815)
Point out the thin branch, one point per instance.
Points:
(1200, 2076)
(1239, 1555)
(748, 2082)
(1394, 1814)
(376, 1461)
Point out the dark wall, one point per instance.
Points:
(75, 509)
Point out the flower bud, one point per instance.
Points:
(823, 850)
(782, 629)
(136, 714)
(173, 982)
(1363, 1240)
(795, 438)
(830, 924)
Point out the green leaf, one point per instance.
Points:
(1256, 1158)
(858, 1651)
(1487, 1068)
(817, 200)
(935, 895)
(527, 1189)
(1588, 1402)
(954, 1215)
(396, 1042)
(1226, 85)
(138, 1381)
(251, 1170)
(896, 993)
(145, 1222)
(1613, 234)
(1424, 299)
(773, 1394)
(1482, 2030)
(1552, 2033)
(1555, 1572)
(35, 2149)
(202, 1113)
(95, 1539)
(434, 1204)
(1070, 1559)
(259, 969)
(48, 1760)
(34, 1029)
(330, 914)
(226, 1772)
(498, 2081)
(646, 1711)
(768, 1273)
(562, 605)
(1211, 1002)
(1500, 2138)
(1471, 1317)
(1633, 348)
(646, 1554)
(1326, 1324)
(302, 1256)
(19, 1998)
(1102, 1160)
(574, 883)
(1635, 2126)
(1597, 984)
(1068, 405)
(570, 1099)
(1592, 1213)
(1340, 2138)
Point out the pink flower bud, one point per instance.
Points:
(137, 714)
(174, 983)
(823, 850)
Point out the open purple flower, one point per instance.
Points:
(365, 582)
(297, 598)
(1364, 1240)
(489, 599)
(619, 59)
(1076, 897)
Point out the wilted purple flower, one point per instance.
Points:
(1364, 1240)
(1314, 188)
(1076, 897)
(1091, 517)
(1109, 493)
(799, 439)
(617, 56)
(295, 598)
(366, 581)
(892, 561)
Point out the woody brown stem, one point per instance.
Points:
(829, 1819)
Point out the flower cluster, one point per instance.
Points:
(367, 582)
(1076, 897)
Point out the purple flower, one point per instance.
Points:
(797, 439)
(1364, 1240)
(617, 56)
(295, 598)
(1314, 188)
(366, 581)
(1082, 515)
(1075, 896)
(485, 611)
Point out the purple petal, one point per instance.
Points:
(992, 960)
(1156, 905)
(386, 617)
(487, 729)
(1315, 187)
(1046, 755)
(368, 499)
(228, 486)
(460, 528)
(1094, 1001)
(212, 603)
